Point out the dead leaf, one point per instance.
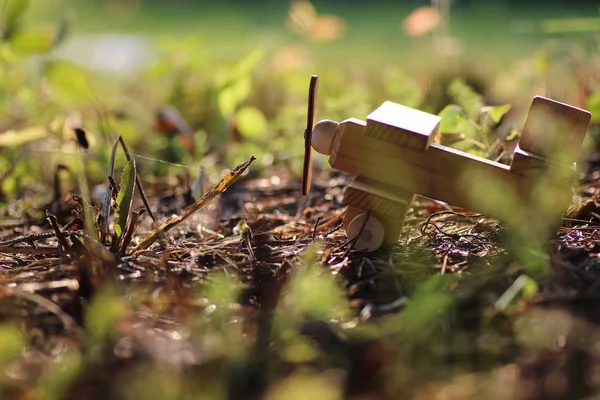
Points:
(301, 17)
(422, 21)
(327, 28)
(172, 222)
(291, 57)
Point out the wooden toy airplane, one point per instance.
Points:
(393, 158)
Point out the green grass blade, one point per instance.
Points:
(125, 197)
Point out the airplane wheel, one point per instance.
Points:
(371, 236)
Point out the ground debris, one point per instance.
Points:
(49, 294)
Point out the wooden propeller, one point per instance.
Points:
(310, 122)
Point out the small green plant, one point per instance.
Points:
(468, 125)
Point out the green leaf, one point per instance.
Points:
(306, 384)
(232, 95)
(530, 288)
(32, 41)
(103, 314)
(399, 86)
(14, 10)
(451, 117)
(251, 122)
(15, 138)
(69, 83)
(466, 97)
(240, 71)
(11, 342)
(55, 383)
(541, 62)
(477, 152)
(512, 135)
(313, 291)
(453, 120)
(222, 292)
(247, 64)
(593, 105)
(11, 17)
(108, 194)
(427, 307)
(125, 197)
(496, 112)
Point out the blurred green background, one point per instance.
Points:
(498, 30)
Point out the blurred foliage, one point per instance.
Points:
(104, 314)
(12, 342)
(314, 293)
(469, 124)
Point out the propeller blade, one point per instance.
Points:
(310, 121)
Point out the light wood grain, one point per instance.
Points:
(392, 226)
(437, 173)
(528, 164)
(383, 199)
(403, 126)
(393, 157)
(552, 126)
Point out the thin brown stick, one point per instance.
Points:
(63, 245)
(35, 251)
(68, 322)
